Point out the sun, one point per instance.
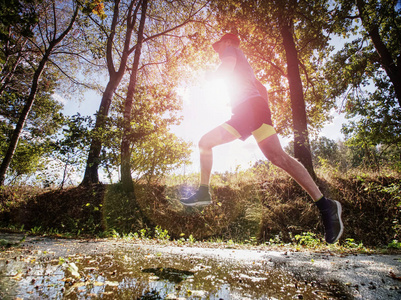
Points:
(215, 104)
(206, 106)
(216, 95)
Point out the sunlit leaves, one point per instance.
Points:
(96, 7)
(99, 9)
(155, 151)
(159, 154)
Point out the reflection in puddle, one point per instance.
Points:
(169, 274)
(133, 273)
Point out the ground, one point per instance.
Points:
(307, 274)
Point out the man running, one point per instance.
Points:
(251, 116)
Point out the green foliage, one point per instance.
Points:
(36, 230)
(191, 239)
(394, 244)
(326, 153)
(161, 234)
(308, 239)
(27, 80)
(334, 156)
(14, 13)
(94, 7)
(376, 131)
(276, 240)
(72, 146)
(154, 150)
(158, 155)
(325, 149)
(143, 233)
(362, 74)
(41, 126)
(352, 244)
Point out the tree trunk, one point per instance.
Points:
(301, 140)
(392, 68)
(126, 178)
(93, 161)
(22, 118)
(91, 175)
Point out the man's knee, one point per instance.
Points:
(216, 137)
(204, 143)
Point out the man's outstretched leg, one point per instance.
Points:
(211, 139)
(329, 209)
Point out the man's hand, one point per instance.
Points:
(227, 66)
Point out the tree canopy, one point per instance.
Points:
(365, 74)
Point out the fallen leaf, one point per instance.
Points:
(107, 293)
(78, 284)
(395, 277)
(196, 293)
(111, 283)
(17, 276)
(153, 278)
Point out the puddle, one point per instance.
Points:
(136, 273)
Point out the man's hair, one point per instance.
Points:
(228, 37)
(231, 37)
(233, 43)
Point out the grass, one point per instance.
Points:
(259, 207)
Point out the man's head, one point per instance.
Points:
(227, 39)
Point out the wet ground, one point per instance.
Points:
(45, 268)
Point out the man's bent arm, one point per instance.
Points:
(262, 89)
(225, 68)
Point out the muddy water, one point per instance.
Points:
(137, 273)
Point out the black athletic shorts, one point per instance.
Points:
(252, 117)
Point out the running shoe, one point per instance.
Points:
(333, 225)
(200, 198)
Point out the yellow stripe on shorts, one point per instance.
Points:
(263, 132)
(231, 130)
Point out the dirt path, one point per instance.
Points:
(363, 276)
(356, 276)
